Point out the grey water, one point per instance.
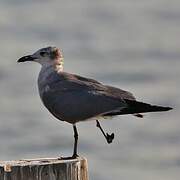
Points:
(132, 44)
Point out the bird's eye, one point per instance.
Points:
(43, 53)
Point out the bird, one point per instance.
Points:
(73, 98)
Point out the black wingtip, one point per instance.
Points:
(161, 108)
(136, 107)
(168, 108)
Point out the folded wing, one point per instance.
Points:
(74, 98)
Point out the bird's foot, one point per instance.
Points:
(109, 138)
(68, 158)
(74, 156)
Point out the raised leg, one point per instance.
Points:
(75, 141)
(109, 137)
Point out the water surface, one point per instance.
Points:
(133, 45)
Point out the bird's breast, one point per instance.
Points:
(44, 80)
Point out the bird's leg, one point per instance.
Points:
(109, 137)
(75, 141)
(75, 145)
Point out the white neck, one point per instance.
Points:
(58, 65)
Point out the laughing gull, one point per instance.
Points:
(74, 98)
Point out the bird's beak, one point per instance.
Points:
(26, 58)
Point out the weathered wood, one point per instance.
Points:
(44, 169)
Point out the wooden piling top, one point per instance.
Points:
(45, 169)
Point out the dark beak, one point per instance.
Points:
(26, 58)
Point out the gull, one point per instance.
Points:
(73, 98)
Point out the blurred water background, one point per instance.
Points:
(132, 44)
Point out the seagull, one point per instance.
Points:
(73, 98)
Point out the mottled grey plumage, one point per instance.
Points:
(73, 98)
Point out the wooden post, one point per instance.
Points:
(44, 169)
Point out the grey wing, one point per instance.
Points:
(86, 79)
(73, 99)
(113, 91)
(121, 93)
(124, 95)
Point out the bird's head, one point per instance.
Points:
(45, 56)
